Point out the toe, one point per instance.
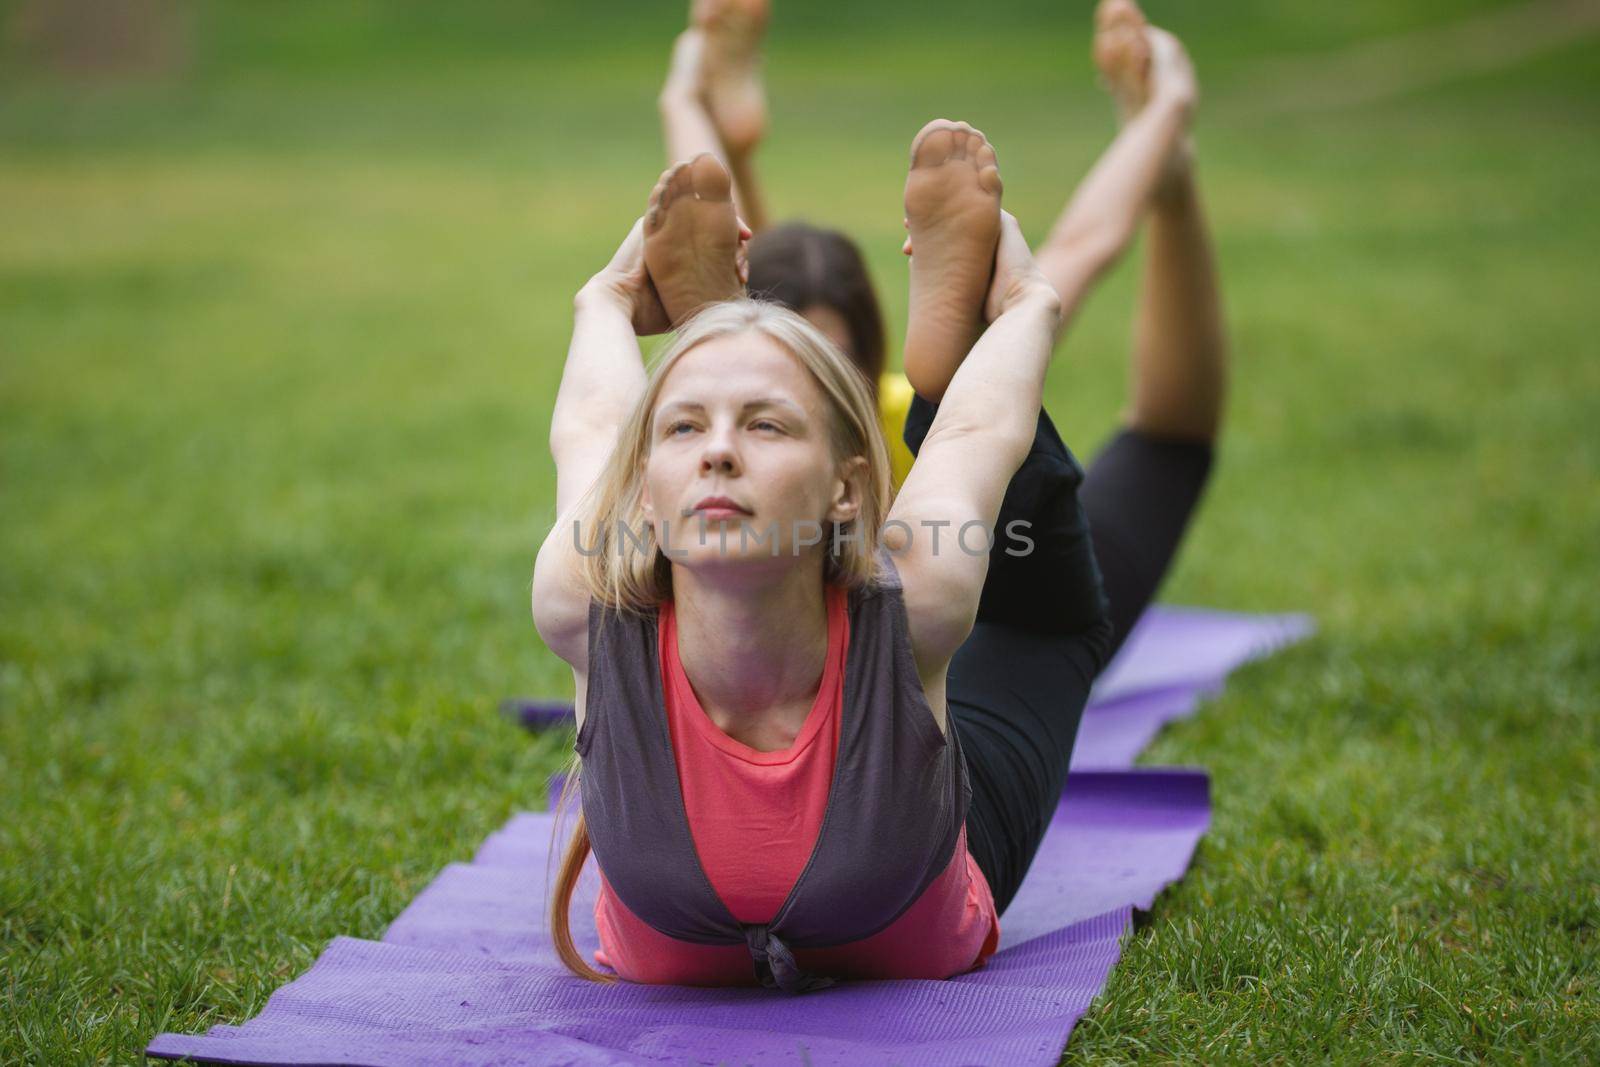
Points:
(1120, 13)
(709, 178)
(673, 184)
(1103, 12)
(988, 168)
(680, 186)
(989, 180)
(933, 145)
(657, 204)
(976, 143)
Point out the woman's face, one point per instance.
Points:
(739, 417)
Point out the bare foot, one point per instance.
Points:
(734, 93)
(1122, 54)
(1139, 62)
(693, 240)
(953, 213)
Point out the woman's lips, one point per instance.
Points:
(718, 507)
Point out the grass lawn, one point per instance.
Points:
(279, 339)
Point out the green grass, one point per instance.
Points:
(278, 342)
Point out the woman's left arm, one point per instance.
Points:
(979, 438)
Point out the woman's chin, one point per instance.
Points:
(730, 544)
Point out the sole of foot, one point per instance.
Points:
(953, 215)
(734, 93)
(691, 237)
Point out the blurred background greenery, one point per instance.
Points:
(284, 295)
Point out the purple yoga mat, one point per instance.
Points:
(1196, 648)
(538, 714)
(466, 975)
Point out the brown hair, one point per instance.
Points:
(641, 579)
(800, 265)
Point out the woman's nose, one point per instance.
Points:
(719, 453)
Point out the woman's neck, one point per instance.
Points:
(755, 649)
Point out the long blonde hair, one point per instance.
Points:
(641, 579)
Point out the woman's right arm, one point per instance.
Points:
(600, 384)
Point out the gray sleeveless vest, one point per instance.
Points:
(895, 808)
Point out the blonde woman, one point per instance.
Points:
(771, 784)
(806, 754)
(820, 733)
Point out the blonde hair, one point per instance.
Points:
(641, 579)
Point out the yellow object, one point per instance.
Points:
(894, 403)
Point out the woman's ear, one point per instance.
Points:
(849, 490)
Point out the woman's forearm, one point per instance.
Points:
(1099, 223)
(999, 387)
(604, 374)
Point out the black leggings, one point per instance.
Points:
(1050, 619)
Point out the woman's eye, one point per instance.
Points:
(675, 427)
(764, 424)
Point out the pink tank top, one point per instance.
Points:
(735, 795)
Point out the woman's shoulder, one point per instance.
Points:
(606, 610)
(623, 662)
(611, 623)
